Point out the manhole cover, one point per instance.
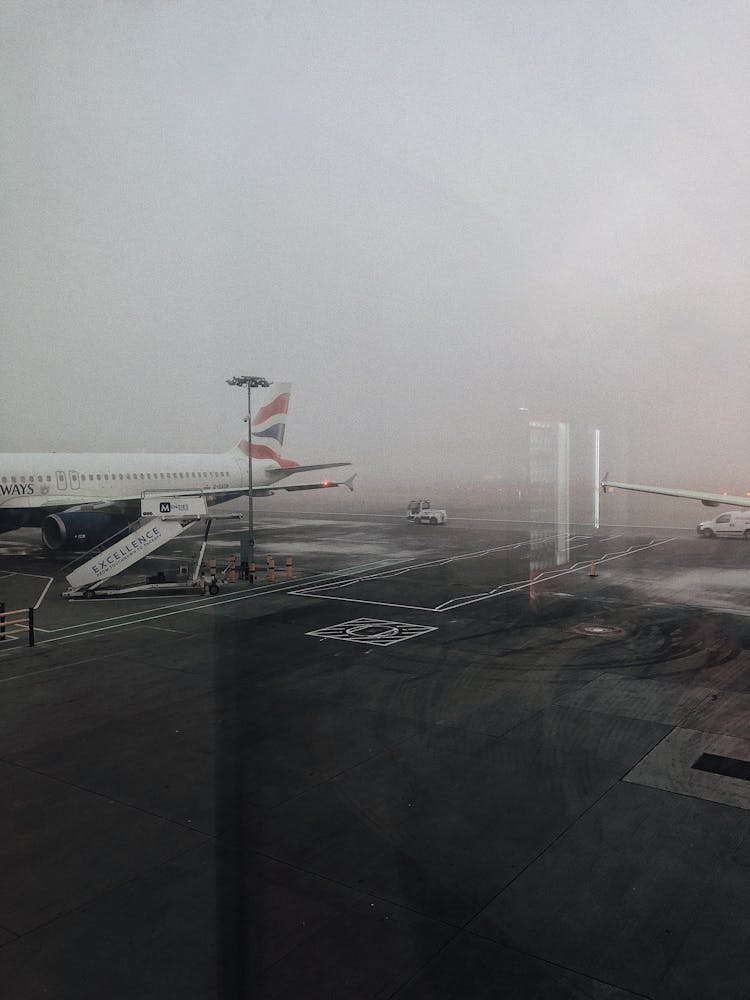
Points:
(599, 631)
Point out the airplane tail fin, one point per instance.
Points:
(268, 425)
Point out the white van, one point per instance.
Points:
(731, 524)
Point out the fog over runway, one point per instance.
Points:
(424, 216)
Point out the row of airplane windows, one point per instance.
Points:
(121, 475)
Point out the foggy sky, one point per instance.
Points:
(423, 214)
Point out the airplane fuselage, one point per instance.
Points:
(34, 485)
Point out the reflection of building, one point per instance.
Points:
(549, 493)
(517, 448)
(514, 465)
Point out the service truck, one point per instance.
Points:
(420, 512)
(730, 524)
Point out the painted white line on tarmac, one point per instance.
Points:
(197, 603)
(33, 673)
(334, 581)
(543, 577)
(409, 567)
(379, 604)
(442, 561)
(140, 618)
(459, 602)
(44, 593)
(48, 670)
(34, 576)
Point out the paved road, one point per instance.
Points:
(482, 787)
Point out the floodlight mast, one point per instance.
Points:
(252, 382)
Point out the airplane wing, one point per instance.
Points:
(707, 499)
(293, 469)
(324, 484)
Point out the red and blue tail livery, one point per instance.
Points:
(269, 426)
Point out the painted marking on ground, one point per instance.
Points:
(48, 670)
(136, 618)
(320, 591)
(549, 575)
(44, 593)
(372, 631)
(412, 567)
(33, 576)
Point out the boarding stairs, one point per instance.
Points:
(163, 518)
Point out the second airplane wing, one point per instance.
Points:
(707, 499)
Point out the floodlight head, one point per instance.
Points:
(254, 381)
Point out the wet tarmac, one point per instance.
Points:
(423, 767)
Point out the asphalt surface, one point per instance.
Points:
(424, 767)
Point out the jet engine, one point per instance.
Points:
(80, 530)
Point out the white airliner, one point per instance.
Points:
(79, 500)
(707, 499)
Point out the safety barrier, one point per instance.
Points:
(248, 571)
(16, 623)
